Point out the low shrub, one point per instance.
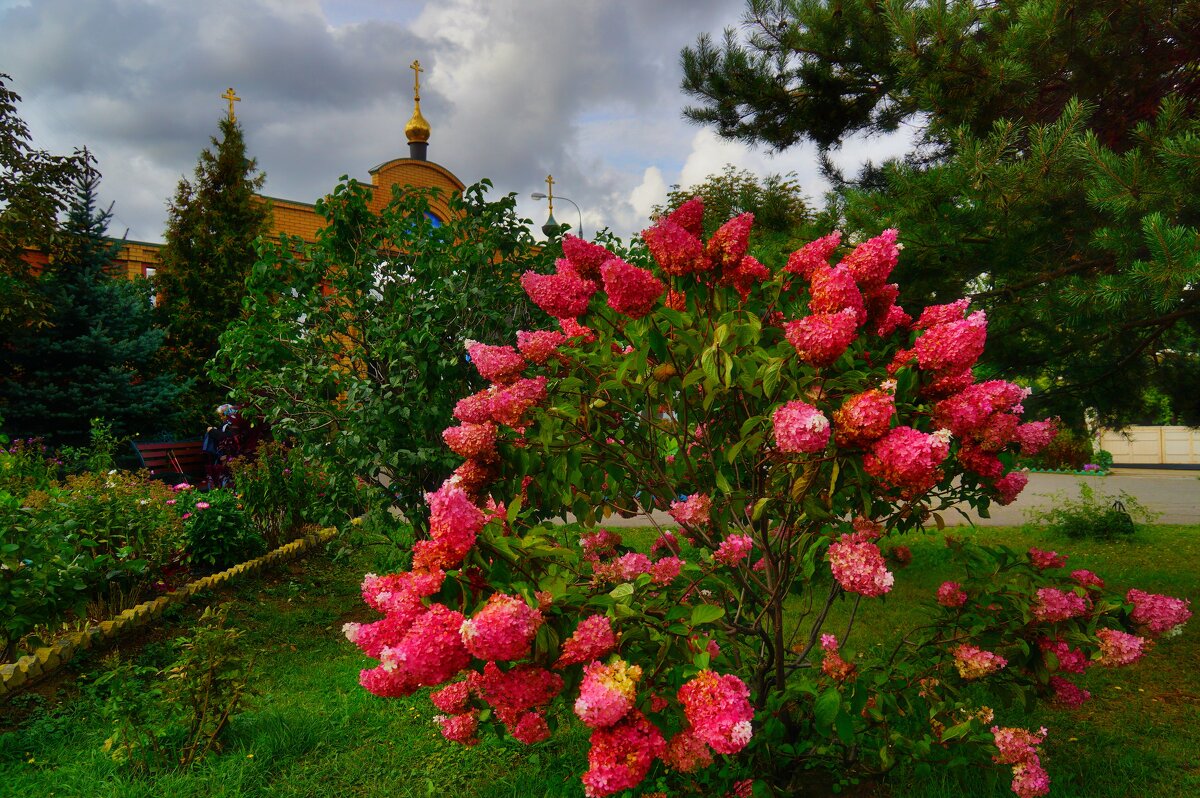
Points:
(277, 487)
(1094, 515)
(1068, 451)
(219, 533)
(27, 464)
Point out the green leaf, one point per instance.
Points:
(826, 709)
(706, 613)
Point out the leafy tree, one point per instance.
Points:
(212, 225)
(34, 189)
(780, 210)
(355, 344)
(95, 356)
(1052, 180)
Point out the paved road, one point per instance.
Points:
(1174, 494)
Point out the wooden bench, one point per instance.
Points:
(172, 461)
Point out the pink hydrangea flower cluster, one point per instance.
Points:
(833, 291)
(587, 258)
(872, 261)
(538, 346)
(951, 594)
(502, 629)
(666, 570)
(1054, 605)
(858, 565)
(1070, 660)
(607, 692)
(728, 244)
(1159, 615)
(621, 755)
(505, 404)
(1119, 648)
(975, 663)
(1087, 579)
(864, 418)
(431, 652)
(800, 428)
(814, 254)
(599, 544)
(832, 664)
(1019, 748)
(693, 512)
(454, 523)
(1035, 435)
(821, 338)
(1009, 486)
(719, 711)
(497, 364)
(593, 638)
(631, 290)
(1067, 693)
(564, 294)
(952, 346)
(459, 728)
(1046, 559)
(687, 753)
(472, 440)
(733, 550)
(908, 459)
(512, 694)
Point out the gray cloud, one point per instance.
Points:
(586, 90)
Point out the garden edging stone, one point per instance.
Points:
(33, 667)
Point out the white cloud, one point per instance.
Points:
(650, 192)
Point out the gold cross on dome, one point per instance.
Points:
(233, 98)
(550, 192)
(417, 69)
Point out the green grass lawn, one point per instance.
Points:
(313, 731)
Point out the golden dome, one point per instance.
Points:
(417, 129)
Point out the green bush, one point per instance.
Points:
(277, 487)
(219, 534)
(26, 464)
(1069, 451)
(1092, 515)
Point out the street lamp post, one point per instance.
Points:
(550, 223)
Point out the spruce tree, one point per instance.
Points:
(94, 358)
(212, 225)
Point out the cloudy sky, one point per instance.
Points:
(514, 89)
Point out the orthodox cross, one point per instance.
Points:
(550, 192)
(415, 66)
(233, 98)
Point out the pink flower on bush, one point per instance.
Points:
(687, 753)
(573, 329)
(598, 544)
(908, 459)
(502, 629)
(498, 364)
(1160, 615)
(872, 261)
(1054, 605)
(743, 276)
(1070, 660)
(621, 755)
(821, 338)
(666, 570)
(454, 523)
(564, 294)
(474, 409)
(832, 664)
(693, 511)
(728, 244)
(387, 683)
(1087, 579)
(510, 403)
(531, 728)
(800, 428)
(951, 594)
(813, 255)
(858, 566)
(1019, 748)
(1035, 435)
(511, 694)
(538, 346)
(202, 505)
(975, 663)
(631, 290)
(1009, 486)
(733, 550)
(453, 699)
(471, 440)
(432, 652)
(864, 418)
(170, 502)
(607, 692)
(1046, 559)
(373, 638)
(676, 250)
(719, 711)
(834, 291)
(593, 638)
(585, 257)
(952, 346)
(1119, 648)
(459, 728)
(942, 314)
(969, 410)
(1068, 694)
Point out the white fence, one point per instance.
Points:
(1153, 445)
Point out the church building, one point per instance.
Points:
(299, 218)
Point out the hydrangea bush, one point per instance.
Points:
(789, 421)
